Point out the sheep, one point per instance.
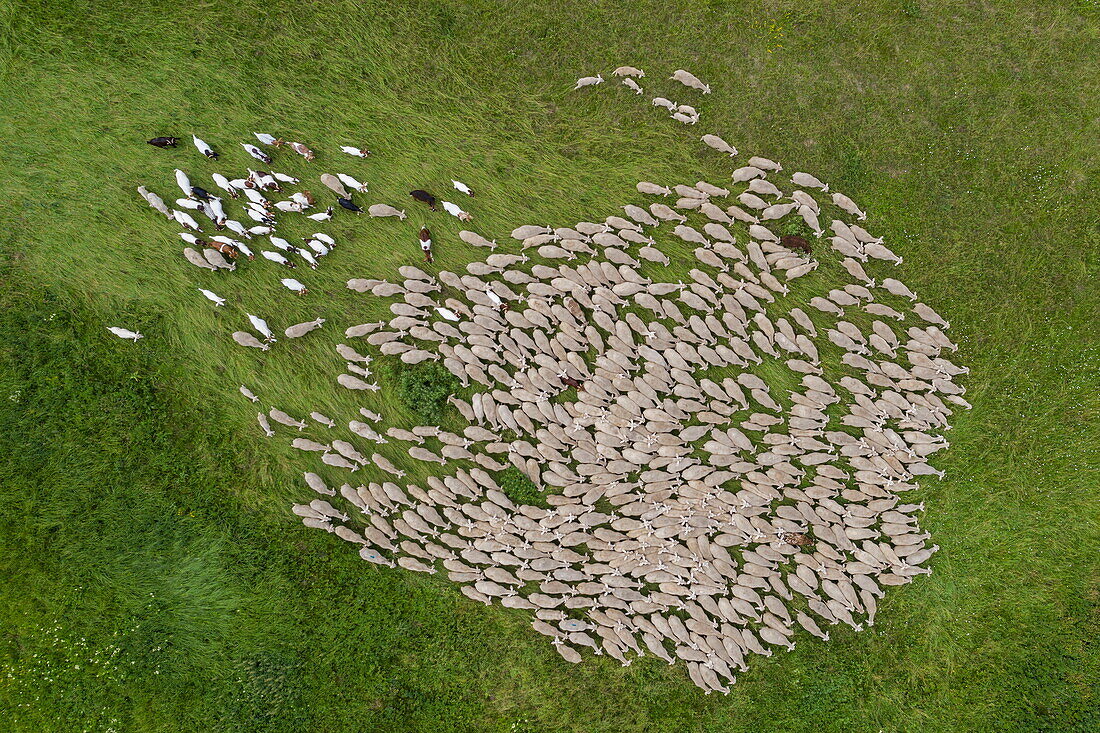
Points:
(632, 85)
(214, 257)
(845, 203)
(350, 382)
(747, 173)
(334, 184)
(664, 212)
(125, 333)
(628, 71)
(338, 461)
(690, 80)
(244, 338)
(379, 210)
(322, 215)
(653, 188)
(662, 102)
(640, 215)
(154, 201)
(461, 187)
(476, 239)
(265, 425)
(277, 259)
(292, 284)
(805, 179)
(587, 81)
(346, 203)
(164, 142)
(196, 259)
(765, 164)
(927, 314)
(684, 118)
(355, 152)
(880, 252)
(455, 211)
(301, 329)
(248, 393)
(896, 287)
(719, 144)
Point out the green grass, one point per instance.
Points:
(144, 531)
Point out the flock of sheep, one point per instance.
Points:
(723, 457)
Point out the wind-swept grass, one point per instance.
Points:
(144, 531)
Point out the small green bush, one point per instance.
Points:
(423, 388)
(519, 488)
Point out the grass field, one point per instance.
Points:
(153, 578)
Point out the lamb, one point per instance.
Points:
(632, 85)
(125, 333)
(587, 81)
(379, 210)
(301, 329)
(248, 393)
(662, 102)
(265, 425)
(689, 80)
(684, 118)
(244, 338)
(628, 71)
(461, 187)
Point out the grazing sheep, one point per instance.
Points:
(301, 329)
(334, 184)
(719, 144)
(845, 203)
(476, 239)
(461, 187)
(322, 215)
(350, 181)
(684, 118)
(346, 203)
(662, 102)
(632, 85)
(653, 188)
(154, 201)
(628, 71)
(196, 259)
(587, 81)
(880, 252)
(689, 80)
(385, 210)
(805, 179)
(248, 393)
(164, 142)
(747, 173)
(244, 338)
(302, 150)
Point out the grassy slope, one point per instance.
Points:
(967, 129)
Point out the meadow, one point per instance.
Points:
(153, 576)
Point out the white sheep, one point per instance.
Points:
(633, 85)
(154, 201)
(587, 81)
(301, 329)
(385, 210)
(628, 71)
(805, 179)
(256, 153)
(204, 148)
(244, 338)
(357, 152)
(690, 80)
(848, 205)
(248, 393)
(266, 139)
(261, 325)
(322, 215)
(662, 102)
(719, 144)
(461, 187)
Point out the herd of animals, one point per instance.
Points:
(717, 476)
